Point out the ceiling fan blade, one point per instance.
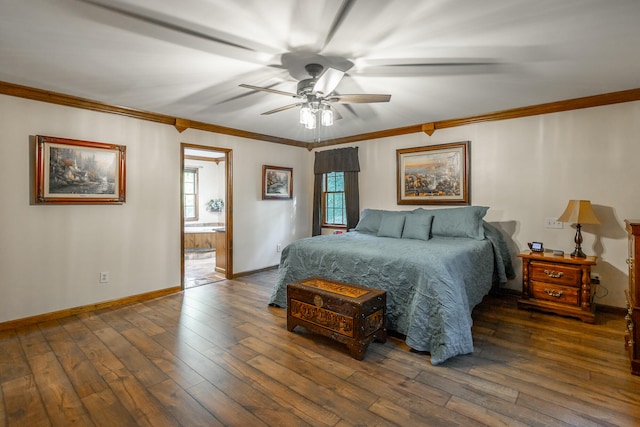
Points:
(336, 113)
(266, 89)
(363, 98)
(277, 110)
(478, 60)
(432, 66)
(440, 70)
(328, 81)
(174, 23)
(345, 7)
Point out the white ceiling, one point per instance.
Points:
(203, 153)
(186, 59)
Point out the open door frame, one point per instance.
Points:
(228, 202)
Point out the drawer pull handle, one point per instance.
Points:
(554, 274)
(553, 293)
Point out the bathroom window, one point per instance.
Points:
(190, 194)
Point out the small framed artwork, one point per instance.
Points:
(69, 171)
(434, 175)
(277, 182)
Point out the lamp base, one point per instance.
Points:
(577, 253)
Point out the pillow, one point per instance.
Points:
(391, 225)
(417, 227)
(457, 222)
(369, 221)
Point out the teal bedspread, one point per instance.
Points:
(432, 286)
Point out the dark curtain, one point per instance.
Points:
(340, 160)
(352, 197)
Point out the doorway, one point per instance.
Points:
(205, 214)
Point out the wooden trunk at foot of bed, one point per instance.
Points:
(347, 313)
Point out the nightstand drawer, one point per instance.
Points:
(566, 275)
(556, 293)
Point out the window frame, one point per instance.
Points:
(196, 211)
(325, 193)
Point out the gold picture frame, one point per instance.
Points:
(434, 175)
(69, 171)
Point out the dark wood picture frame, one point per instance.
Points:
(277, 183)
(69, 171)
(434, 175)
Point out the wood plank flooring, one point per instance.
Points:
(199, 269)
(217, 355)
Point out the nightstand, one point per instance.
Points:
(559, 284)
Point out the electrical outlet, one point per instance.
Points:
(104, 277)
(279, 247)
(552, 223)
(595, 278)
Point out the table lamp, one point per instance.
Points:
(579, 212)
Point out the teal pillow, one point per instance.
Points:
(369, 221)
(417, 227)
(457, 222)
(391, 225)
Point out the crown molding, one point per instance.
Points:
(533, 110)
(371, 135)
(429, 128)
(179, 123)
(548, 108)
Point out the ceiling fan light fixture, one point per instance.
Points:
(327, 116)
(305, 113)
(311, 121)
(316, 95)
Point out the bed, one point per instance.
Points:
(436, 266)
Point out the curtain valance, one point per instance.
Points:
(339, 160)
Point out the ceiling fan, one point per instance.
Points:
(317, 93)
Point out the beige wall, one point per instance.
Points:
(524, 169)
(51, 256)
(527, 169)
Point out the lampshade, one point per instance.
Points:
(579, 212)
(311, 121)
(327, 116)
(310, 110)
(305, 112)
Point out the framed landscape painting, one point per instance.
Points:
(69, 171)
(277, 182)
(434, 175)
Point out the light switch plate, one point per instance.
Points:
(552, 223)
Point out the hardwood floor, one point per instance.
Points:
(217, 355)
(199, 269)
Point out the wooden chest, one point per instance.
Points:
(350, 314)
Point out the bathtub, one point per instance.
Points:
(201, 237)
(203, 229)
